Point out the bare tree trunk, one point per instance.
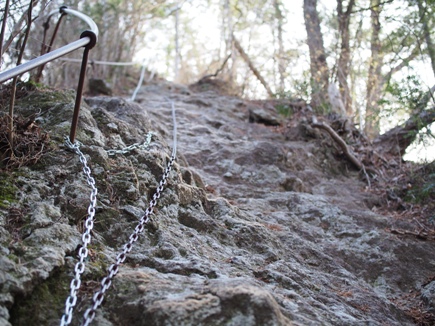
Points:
(396, 141)
(318, 67)
(357, 71)
(374, 86)
(426, 31)
(280, 56)
(344, 59)
(16, 29)
(254, 70)
(227, 31)
(177, 46)
(2, 34)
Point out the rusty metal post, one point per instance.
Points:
(88, 39)
(93, 38)
(75, 118)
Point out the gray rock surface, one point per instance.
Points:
(252, 228)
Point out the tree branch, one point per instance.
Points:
(397, 140)
(254, 70)
(219, 70)
(371, 7)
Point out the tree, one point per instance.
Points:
(397, 140)
(280, 51)
(423, 10)
(177, 42)
(374, 73)
(344, 60)
(388, 56)
(318, 67)
(251, 66)
(3, 28)
(228, 35)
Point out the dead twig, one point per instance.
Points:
(219, 70)
(11, 133)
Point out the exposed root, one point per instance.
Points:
(339, 141)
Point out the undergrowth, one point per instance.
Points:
(422, 188)
(423, 184)
(30, 142)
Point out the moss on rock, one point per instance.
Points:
(8, 190)
(44, 306)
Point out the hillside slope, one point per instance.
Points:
(254, 227)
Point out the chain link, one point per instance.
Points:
(98, 296)
(127, 149)
(86, 236)
(120, 258)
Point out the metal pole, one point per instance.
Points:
(139, 84)
(25, 67)
(75, 119)
(87, 38)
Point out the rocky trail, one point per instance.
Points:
(258, 224)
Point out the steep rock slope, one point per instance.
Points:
(253, 228)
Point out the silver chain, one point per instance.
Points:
(127, 149)
(86, 236)
(98, 296)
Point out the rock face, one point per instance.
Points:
(252, 228)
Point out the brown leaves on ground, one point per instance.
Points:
(412, 304)
(408, 193)
(29, 144)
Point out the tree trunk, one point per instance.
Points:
(228, 35)
(318, 67)
(374, 86)
(2, 33)
(426, 31)
(355, 73)
(254, 70)
(177, 47)
(344, 59)
(280, 55)
(397, 140)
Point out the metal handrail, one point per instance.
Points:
(34, 63)
(88, 39)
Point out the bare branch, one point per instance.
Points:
(2, 35)
(219, 70)
(372, 7)
(254, 70)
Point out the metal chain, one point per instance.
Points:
(127, 149)
(86, 236)
(98, 296)
(120, 258)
